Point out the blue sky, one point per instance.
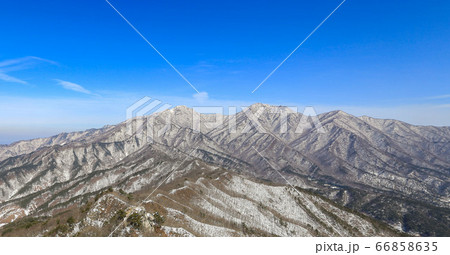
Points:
(73, 65)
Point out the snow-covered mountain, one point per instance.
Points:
(344, 170)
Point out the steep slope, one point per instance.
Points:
(206, 202)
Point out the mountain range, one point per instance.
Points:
(264, 171)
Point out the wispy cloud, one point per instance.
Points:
(24, 62)
(201, 97)
(73, 86)
(443, 106)
(17, 64)
(439, 97)
(8, 78)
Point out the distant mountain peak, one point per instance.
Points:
(181, 108)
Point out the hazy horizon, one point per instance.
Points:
(44, 132)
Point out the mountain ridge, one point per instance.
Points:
(362, 160)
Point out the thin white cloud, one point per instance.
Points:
(443, 106)
(17, 64)
(201, 97)
(439, 97)
(9, 78)
(21, 61)
(73, 86)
